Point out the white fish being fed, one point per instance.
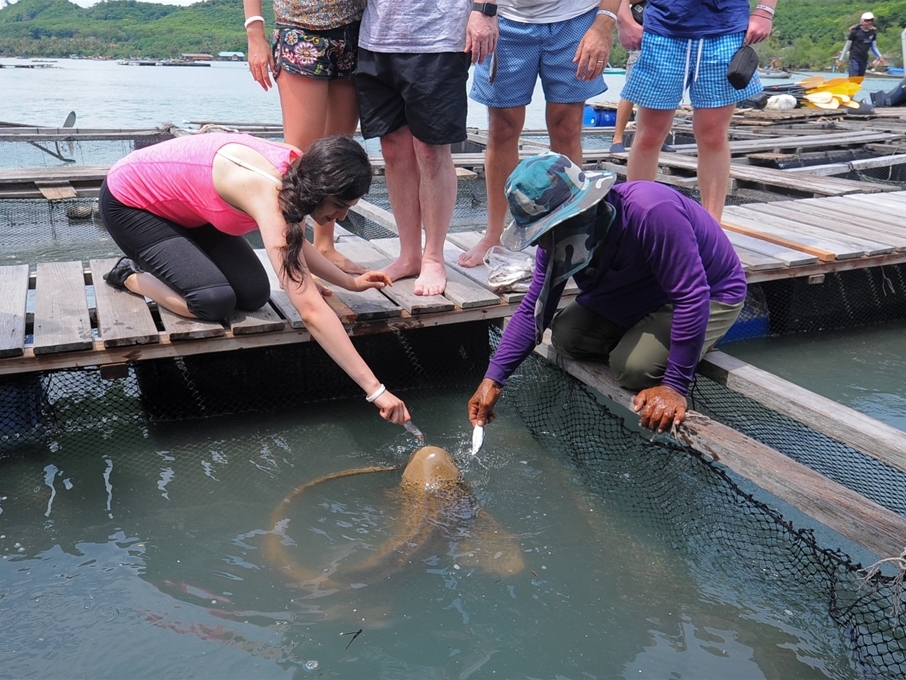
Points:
(477, 439)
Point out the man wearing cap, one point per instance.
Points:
(861, 39)
(659, 283)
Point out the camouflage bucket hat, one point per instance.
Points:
(545, 190)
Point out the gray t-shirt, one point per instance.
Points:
(415, 26)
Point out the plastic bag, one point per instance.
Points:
(781, 102)
(509, 271)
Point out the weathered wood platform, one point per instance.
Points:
(78, 320)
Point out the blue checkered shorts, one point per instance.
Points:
(669, 66)
(526, 51)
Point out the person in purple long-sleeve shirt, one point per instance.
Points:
(659, 283)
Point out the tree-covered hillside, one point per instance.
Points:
(120, 28)
(807, 33)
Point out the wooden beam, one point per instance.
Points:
(865, 434)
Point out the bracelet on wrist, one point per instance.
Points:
(374, 395)
(769, 10)
(606, 13)
(760, 16)
(252, 20)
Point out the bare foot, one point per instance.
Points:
(343, 262)
(474, 256)
(432, 280)
(401, 269)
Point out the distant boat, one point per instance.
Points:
(614, 71)
(773, 73)
(184, 62)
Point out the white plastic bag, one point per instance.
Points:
(781, 102)
(509, 271)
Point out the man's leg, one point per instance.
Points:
(437, 198)
(402, 176)
(652, 126)
(710, 127)
(564, 125)
(501, 158)
(624, 111)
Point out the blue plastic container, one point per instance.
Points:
(589, 117)
(606, 117)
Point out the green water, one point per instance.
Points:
(863, 368)
(138, 551)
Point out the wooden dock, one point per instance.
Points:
(75, 323)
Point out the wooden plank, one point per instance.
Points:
(55, 191)
(402, 292)
(828, 139)
(830, 221)
(62, 323)
(477, 274)
(123, 318)
(467, 239)
(460, 290)
(862, 521)
(376, 214)
(753, 261)
(877, 227)
(279, 298)
(891, 214)
(842, 245)
(14, 284)
(264, 320)
(861, 432)
(365, 305)
(829, 169)
(816, 186)
(183, 328)
(753, 229)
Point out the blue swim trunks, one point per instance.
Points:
(526, 51)
(667, 67)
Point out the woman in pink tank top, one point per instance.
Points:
(178, 210)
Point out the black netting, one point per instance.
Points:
(696, 507)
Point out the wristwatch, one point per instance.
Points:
(489, 9)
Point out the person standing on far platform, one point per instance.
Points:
(862, 38)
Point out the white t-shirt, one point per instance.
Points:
(415, 26)
(543, 11)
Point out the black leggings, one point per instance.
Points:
(216, 273)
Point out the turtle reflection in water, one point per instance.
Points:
(438, 514)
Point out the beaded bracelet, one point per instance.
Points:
(378, 392)
(607, 13)
(253, 19)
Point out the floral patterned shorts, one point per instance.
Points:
(329, 54)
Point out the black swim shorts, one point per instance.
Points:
(427, 92)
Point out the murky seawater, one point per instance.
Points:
(863, 368)
(154, 552)
(170, 550)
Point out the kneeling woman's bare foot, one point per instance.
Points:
(343, 262)
(474, 256)
(432, 280)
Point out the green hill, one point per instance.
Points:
(120, 28)
(807, 33)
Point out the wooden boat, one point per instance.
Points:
(773, 73)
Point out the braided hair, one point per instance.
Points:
(333, 167)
